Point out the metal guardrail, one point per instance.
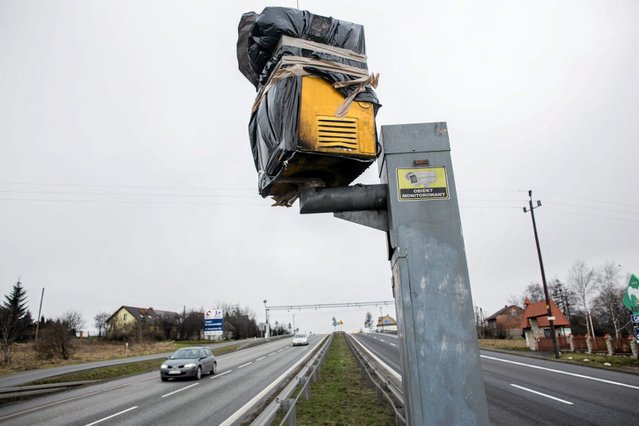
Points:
(283, 401)
(20, 391)
(376, 377)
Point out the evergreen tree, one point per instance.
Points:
(15, 320)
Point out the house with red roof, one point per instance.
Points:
(535, 323)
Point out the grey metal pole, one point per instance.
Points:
(543, 276)
(441, 371)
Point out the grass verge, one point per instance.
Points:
(120, 370)
(617, 362)
(106, 373)
(341, 396)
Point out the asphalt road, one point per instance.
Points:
(530, 391)
(24, 377)
(144, 399)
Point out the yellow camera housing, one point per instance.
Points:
(321, 131)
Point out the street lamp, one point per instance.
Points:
(268, 331)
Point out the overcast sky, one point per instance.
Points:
(126, 175)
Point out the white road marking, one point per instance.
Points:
(180, 390)
(382, 363)
(19, 413)
(260, 358)
(112, 416)
(552, 370)
(221, 374)
(271, 354)
(244, 365)
(280, 350)
(393, 344)
(542, 394)
(239, 413)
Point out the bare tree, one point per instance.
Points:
(73, 321)
(514, 300)
(609, 303)
(168, 323)
(100, 322)
(56, 340)
(368, 322)
(534, 292)
(584, 282)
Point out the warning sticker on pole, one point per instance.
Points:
(422, 183)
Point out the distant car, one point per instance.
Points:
(300, 340)
(189, 362)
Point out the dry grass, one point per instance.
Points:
(509, 344)
(24, 357)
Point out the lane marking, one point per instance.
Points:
(552, 370)
(112, 416)
(280, 350)
(221, 374)
(393, 344)
(271, 354)
(382, 363)
(542, 394)
(51, 404)
(244, 365)
(239, 413)
(260, 358)
(180, 390)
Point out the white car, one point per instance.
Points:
(300, 340)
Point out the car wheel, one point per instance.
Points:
(198, 373)
(164, 379)
(214, 369)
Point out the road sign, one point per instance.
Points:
(214, 322)
(634, 318)
(631, 298)
(422, 183)
(637, 333)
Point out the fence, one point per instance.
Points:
(620, 345)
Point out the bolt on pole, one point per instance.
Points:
(543, 274)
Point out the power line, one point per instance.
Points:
(204, 188)
(221, 203)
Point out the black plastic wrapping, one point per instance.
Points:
(274, 22)
(273, 127)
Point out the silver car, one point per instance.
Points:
(189, 362)
(300, 340)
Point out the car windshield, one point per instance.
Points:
(186, 354)
(300, 336)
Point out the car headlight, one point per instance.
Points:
(190, 365)
(164, 366)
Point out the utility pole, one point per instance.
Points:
(551, 319)
(39, 313)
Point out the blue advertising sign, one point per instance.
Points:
(213, 322)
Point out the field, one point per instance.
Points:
(24, 357)
(505, 344)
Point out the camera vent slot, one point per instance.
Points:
(337, 133)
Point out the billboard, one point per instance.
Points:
(213, 322)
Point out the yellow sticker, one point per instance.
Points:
(422, 183)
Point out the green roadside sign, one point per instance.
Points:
(631, 298)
